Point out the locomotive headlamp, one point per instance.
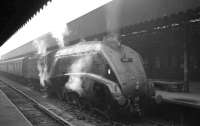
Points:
(109, 71)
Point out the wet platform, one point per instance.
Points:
(9, 114)
(191, 99)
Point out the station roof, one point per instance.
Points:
(118, 14)
(15, 13)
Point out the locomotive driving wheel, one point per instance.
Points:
(104, 100)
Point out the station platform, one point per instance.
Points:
(172, 92)
(9, 114)
(191, 98)
(187, 99)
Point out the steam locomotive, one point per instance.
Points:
(105, 74)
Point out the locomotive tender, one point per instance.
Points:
(108, 74)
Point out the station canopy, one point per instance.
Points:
(120, 14)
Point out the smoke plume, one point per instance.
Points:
(112, 18)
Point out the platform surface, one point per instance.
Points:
(188, 99)
(9, 114)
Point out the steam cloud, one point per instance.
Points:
(41, 46)
(59, 33)
(82, 65)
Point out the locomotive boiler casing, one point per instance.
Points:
(117, 67)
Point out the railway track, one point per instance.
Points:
(36, 113)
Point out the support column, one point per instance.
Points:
(186, 58)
